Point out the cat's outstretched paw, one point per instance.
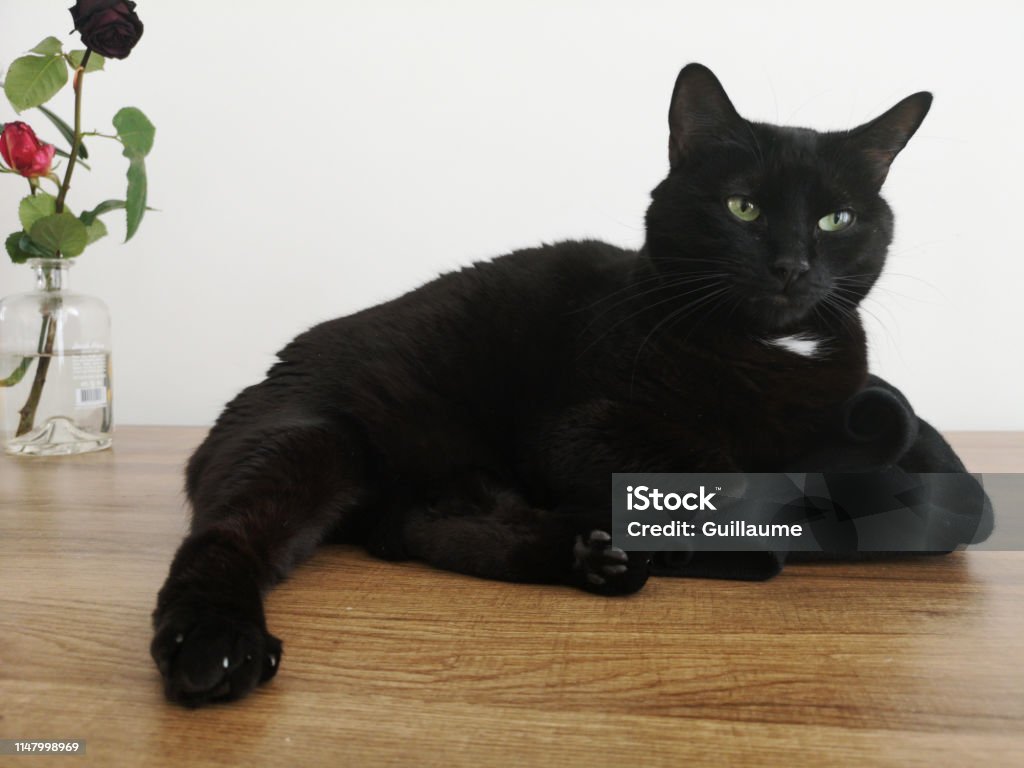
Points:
(599, 567)
(208, 657)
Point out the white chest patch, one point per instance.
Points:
(803, 344)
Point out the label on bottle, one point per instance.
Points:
(92, 396)
(90, 374)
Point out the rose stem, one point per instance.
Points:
(28, 411)
(77, 141)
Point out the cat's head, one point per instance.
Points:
(774, 225)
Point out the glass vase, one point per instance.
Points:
(55, 392)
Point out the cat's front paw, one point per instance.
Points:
(599, 567)
(206, 656)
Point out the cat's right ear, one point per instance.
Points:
(700, 111)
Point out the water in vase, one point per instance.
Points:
(72, 398)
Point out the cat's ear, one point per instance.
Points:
(882, 139)
(700, 111)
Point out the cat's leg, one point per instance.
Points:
(493, 532)
(263, 493)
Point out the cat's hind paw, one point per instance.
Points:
(599, 567)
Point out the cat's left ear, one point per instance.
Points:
(882, 139)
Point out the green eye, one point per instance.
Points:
(835, 221)
(743, 208)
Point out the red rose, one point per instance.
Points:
(109, 27)
(23, 152)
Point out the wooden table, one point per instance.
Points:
(919, 662)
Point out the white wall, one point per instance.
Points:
(316, 157)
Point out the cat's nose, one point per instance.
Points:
(787, 270)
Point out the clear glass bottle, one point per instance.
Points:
(55, 388)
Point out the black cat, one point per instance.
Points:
(475, 422)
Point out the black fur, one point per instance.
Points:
(474, 422)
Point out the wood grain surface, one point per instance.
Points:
(910, 662)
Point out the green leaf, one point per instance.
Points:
(35, 207)
(66, 131)
(34, 80)
(60, 232)
(31, 249)
(95, 64)
(135, 132)
(17, 255)
(28, 245)
(95, 231)
(18, 373)
(136, 197)
(48, 47)
(88, 217)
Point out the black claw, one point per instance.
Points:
(602, 568)
(616, 554)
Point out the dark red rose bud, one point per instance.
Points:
(109, 27)
(23, 152)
